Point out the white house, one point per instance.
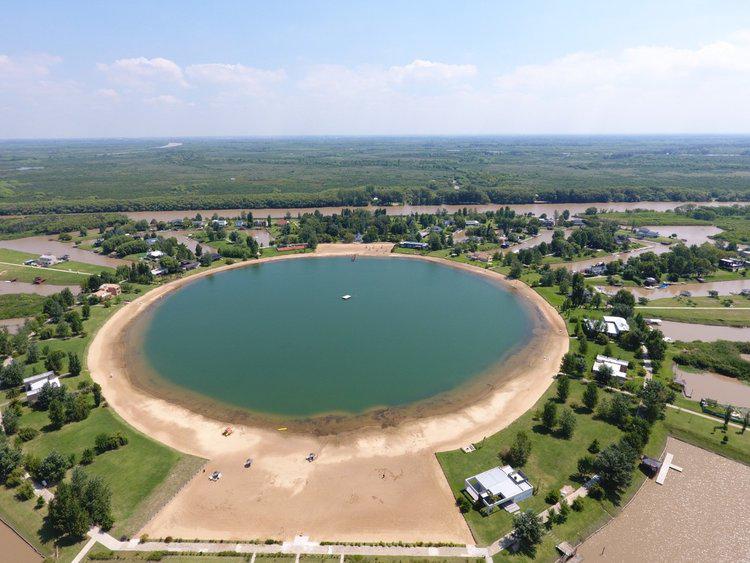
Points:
(619, 367)
(219, 222)
(47, 260)
(33, 385)
(472, 223)
(154, 254)
(620, 324)
(499, 486)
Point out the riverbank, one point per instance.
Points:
(362, 487)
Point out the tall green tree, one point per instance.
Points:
(563, 388)
(549, 415)
(528, 531)
(567, 423)
(591, 396)
(520, 450)
(74, 364)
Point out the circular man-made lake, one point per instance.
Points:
(278, 339)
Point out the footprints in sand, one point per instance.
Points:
(386, 474)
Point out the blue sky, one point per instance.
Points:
(168, 68)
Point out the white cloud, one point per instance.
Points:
(27, 67)
(639, 89)
(166, 100)
(247, 79)
(427, 70)
(144, 73)
(107, 94)
(337, 79)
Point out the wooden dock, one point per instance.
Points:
(666, 465)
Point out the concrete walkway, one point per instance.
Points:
(301, 545)
(86, 548)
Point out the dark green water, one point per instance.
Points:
(277, 338)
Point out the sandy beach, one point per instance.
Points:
(371, 484)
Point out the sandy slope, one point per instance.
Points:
(371, 484)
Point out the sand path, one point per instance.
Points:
(369, 484)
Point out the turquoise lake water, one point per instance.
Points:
(277, 338)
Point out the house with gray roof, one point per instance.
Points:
(499, 487)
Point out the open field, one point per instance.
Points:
(90, 175)
(20, 305)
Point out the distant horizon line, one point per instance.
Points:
(384, 136)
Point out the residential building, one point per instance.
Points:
(33, 385)
(472, 223)
(619, 367)
(598, 269)
(481, 257)
(47, 260)
(414, 244)
(239, 223)
(154, 254)
(107, 291)
(499, 487)
(621, 325)
(645, 232)
(613, 326)
(731, 264)
(219, 222)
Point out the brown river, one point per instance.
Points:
(13, 548)
(688, 332)
(536, 208)
(707, 385)
(699, 514)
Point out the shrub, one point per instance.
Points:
(15, 478)
(577, 504)
(25, 492)
(87, 456)
(106, 442)
(40, 502)
(594, 447)
(27, 433)
(553, 497)
(463, 504)
(103, 555)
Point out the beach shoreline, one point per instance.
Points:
(362, 487)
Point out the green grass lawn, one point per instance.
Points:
(20, 305)
(708, 435)
(143, 475)
(552, 464)
(28, 273)
(132, 472)
(720, 317)
(727, 310)
(18, 257)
